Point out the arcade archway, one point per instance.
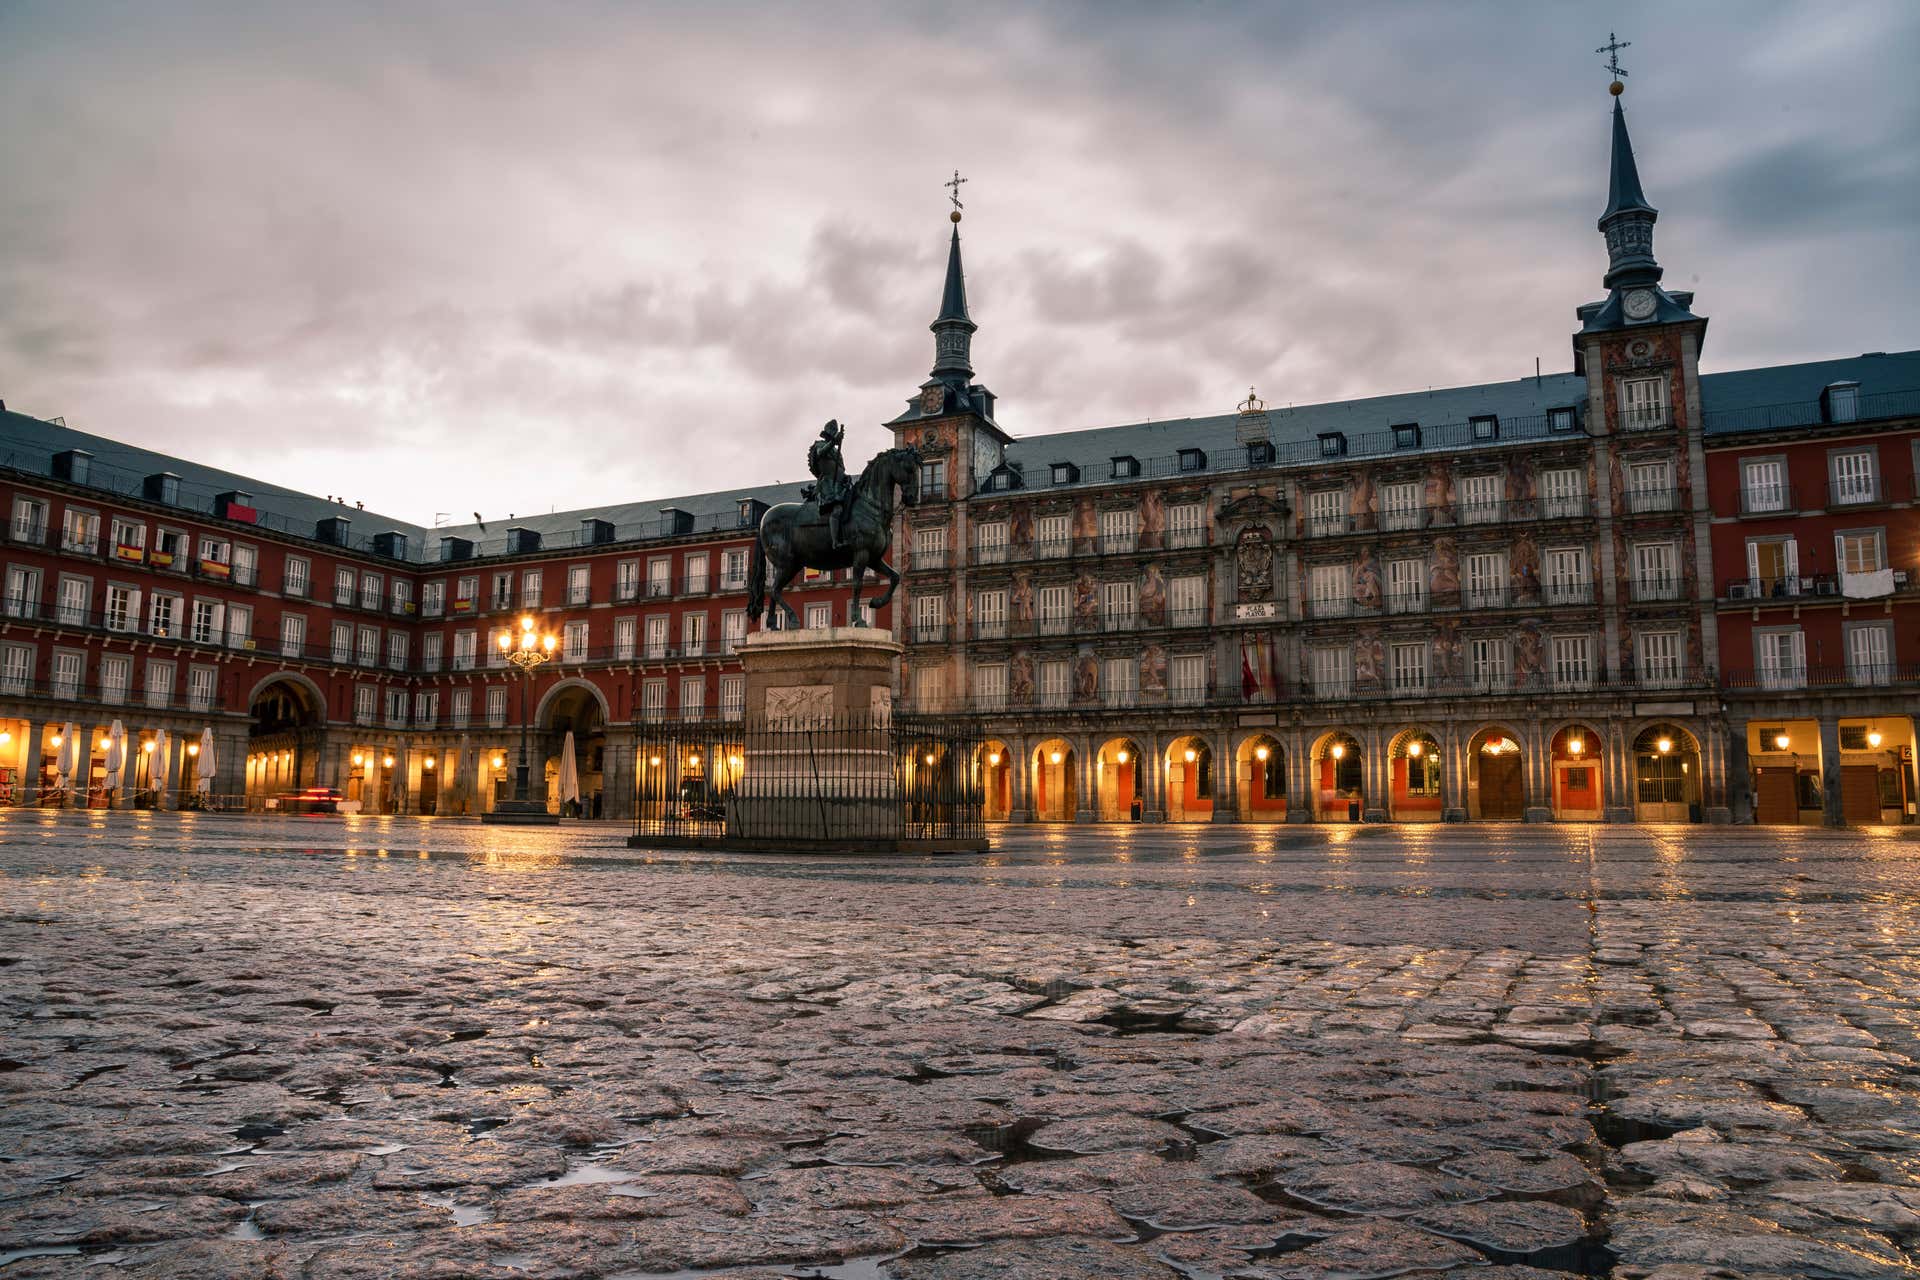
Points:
(1666, 775)
(993, 766)
(1340, 778)
(1056, 783)
(1416, 789)
(1579, 772)
(283, 742)
(1189, 774)
(1117, 781)
(1261, 768)
(1496, 776)
(574, 707)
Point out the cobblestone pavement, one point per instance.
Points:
(400, 1048)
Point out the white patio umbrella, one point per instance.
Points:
(157, 767)
(569, 780)
(67, 759)
(208, 763)
(116, 755)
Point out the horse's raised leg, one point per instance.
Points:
(885, 570)
(781, 578)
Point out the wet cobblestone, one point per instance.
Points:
(394, 1048)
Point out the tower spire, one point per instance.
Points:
(1628, 221)
(953, 328)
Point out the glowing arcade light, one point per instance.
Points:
(1576, 746)
(1339, 750)
(1055, 757)
(993, 758)
(1120, 756)
(1261, 753)
(427, 764)
(386, 762)
(654, 761)
(1665, 745)
(359, 758)
(1192, 755)
(1781, 741)
(1873, 737)
(929, 758)
(1413, 749)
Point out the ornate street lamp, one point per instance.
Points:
(527, 650)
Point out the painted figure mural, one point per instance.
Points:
(1366, 582)
(1153, 669)
(1443, 580)
(1153, 597)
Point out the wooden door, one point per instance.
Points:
(1503, 794)
(1860, 794)
(1777, 797)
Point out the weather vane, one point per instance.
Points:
(954, 187)
(1612, 49)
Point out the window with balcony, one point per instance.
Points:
(1330, 590)
(1645, 403)
(699, 564)
(1407, 585)
(116, 676)
(402, 597)
(200, 688)
(990, 542)
(465, 645)
(293, 635)
(990, 686)
(573, 642)
(1332, 668)
(1400, 505)
(369, 651)
(1187, 601)
(68, 674)
(294, 571)
(340, 648)
(1571, 658)
(1650, 486)
(1119, 531)
(733, 629)
(1763, 485)
(626, 634)
(1780, 658)
(431, 645)
(626, 578)
(1661, 657)
(1854, 477)
(1187, 678)
(29, 522)
(733, 697)
(653, 699)
(1118, 678)
(933, 480)
(1773, 570)
(1053, 537)
(733, 569)
(1487, 662)
(1563, 493)
(930, 618)
(930, 548)
(1117, 609)
(76, 595)
(1326, 512)
(1186, 525)
(123, 608)
(344, 582)
(990, 614)
(1568, 580)
(496, 707)
(1480, 499)
(426, 708)
(1409, 662)
(466, 594)
(530, 581)
(1656, 571)
(80, 531)
(819, 615)
(1861, 552)
(16, 669)
(693, 634)
(23, 592)
(129, 541)
(656, 636)
(169, 549)
(239, 626)
(163, 615)
(1056, 610)
(372, 586)
(1487, 581)
(433, 598)
(460, 708)
(1869, 653)
(397, 650)
(1054, 684)
(159, 684)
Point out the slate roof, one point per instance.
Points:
(1786, 395)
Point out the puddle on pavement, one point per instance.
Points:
(10, 1256)
(464, 1215)
(587, 1174)
(852, 1269)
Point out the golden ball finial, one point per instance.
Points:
(1616, 88)
(955, 215)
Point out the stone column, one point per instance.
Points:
(1150, 774)
(1619, 774)
(1086, 790)
(1539, 802)
(1376, 775)
(1832, 812)
(1299, 771)
(1716, 778)
(166, 767)
(1018, 761)
(1226, 797)
(28, 792)
(1453, 776)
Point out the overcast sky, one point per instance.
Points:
(442, 258)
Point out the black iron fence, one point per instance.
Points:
(843, 781)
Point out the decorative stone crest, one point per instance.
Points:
(1253, 563)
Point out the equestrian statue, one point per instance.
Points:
(841, 524)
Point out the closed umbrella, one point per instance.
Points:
(569, 772)
(208, 763)
(157, 767)
(67, 760)
(116, 755)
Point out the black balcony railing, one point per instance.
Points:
(1799, 587)
(1856, 491)
(1769, 499)
(1810, 413)
(1785, 679)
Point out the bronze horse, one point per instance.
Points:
(795, 536)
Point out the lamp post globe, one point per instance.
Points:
(532, 650)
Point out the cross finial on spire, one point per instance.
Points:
(954, 187)
(1612, 49)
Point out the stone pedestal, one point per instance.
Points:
(832, 674)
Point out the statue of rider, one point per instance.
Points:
(833, 493)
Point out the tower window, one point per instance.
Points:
(1333, 445)
(933, 479)
(1406, 435)
(1485, 427)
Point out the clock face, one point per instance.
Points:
(932, 399)
(1639, 304)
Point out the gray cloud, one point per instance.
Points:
(375, 250)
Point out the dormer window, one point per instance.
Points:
(1333, 444)
(1126, 467)
(1560, 420)
(1485, 426)
(1192, 460)
(1260, 453)
(1065, 473)
(1842, 400)
(1406, 435)
(1002, 479)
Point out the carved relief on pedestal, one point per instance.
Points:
(880, 704)
(800, 704)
